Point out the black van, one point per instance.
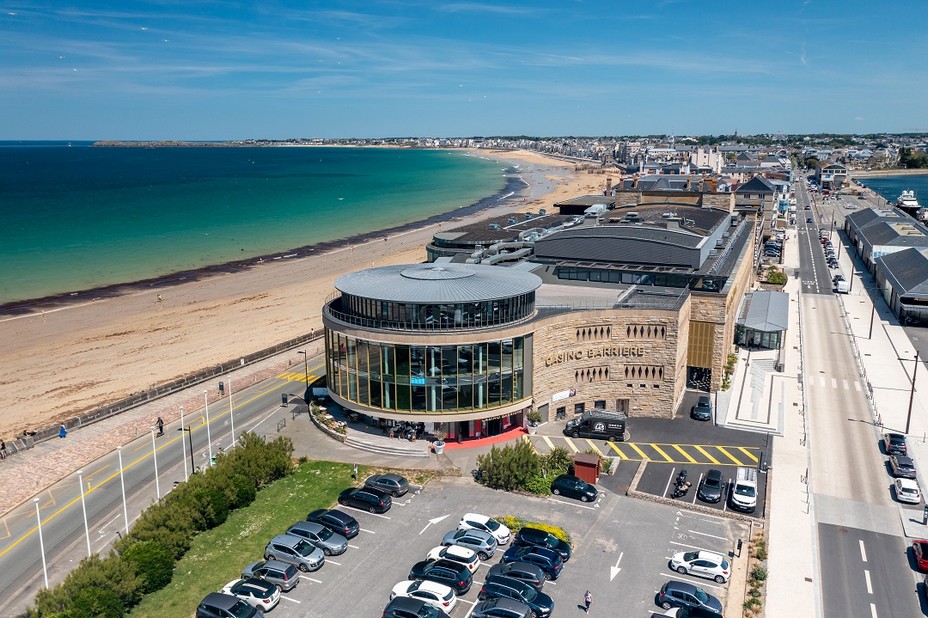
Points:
(597, 424)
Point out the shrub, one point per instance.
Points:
(153, 563)
(539, 485)
(111, 574)
(776, 276)
(96, 602)
(751, 603)
(556, 461)
(516, 523)
(759, 573)
(511, 467)
(760, 549)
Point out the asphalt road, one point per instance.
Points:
(60, 508)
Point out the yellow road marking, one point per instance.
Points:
(663, 454)
(705, 454)
(748, 453)
(722, 450)
(571, 445)
(639, 451)
(548, 441)
(615, 448)
(529, 442)
(684, 453)
(6, 526)
(594, 447)
(93, 474)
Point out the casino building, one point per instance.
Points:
(557, 313)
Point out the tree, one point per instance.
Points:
(153, 563)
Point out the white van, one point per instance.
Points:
(743, 494)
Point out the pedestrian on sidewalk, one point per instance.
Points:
(587, 601)
(160, 424)
(354, 474)
(63, 431)
(2, 450)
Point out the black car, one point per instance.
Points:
(695, 612)
(710, 488)
(572, 487)
(406, 607)
(499, 586)
(365, 498)
(219, 605)
(526, 572)
(702, 411)
(392, 484)
(502, 607)
(894, 443)
(547, 559)
(682, 594)
(903, 467)
(536, 537)
(452, 574)
(336, 521)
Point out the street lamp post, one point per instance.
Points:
(154, 454)
(908, 418)
(209, 439)
(38, 518)
(231, 415)
(80, 480)
(872, 313)
(190, 438)
(122, 482)
(183, 450)
(305, 370)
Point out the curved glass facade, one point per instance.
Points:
(434, 378)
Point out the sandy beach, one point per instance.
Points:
(64, 359)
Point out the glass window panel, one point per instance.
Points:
(402, 397)
(418, 398)
(449, 361)
(402, 360)
(465, 394)
(494, 354)
(376, 395)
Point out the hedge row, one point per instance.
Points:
(143, 561)
(518, 467)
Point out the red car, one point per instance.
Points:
(920, 549)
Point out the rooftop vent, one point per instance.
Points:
(542, 212)
(494, 226)
(528, 215)
(512, 220)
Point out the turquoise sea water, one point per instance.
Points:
(76, 218)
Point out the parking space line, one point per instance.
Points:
(714, 536)
(291, 600)
(366, 530)
(345, 506)
(639, 451)
(748, 453)
(594, 447)
(684, 453)
(333, 562)
(353, 546)
(572, 445)
(686, 545)
(615, 448)
(663, 454)
(722, 450)
(310, 579)
(548, 442)
(705, 454)
(702, 585)
(579, 504)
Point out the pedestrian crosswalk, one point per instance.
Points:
(843, 383)
(296, 376)
(657, 452)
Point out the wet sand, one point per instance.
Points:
(71, 353)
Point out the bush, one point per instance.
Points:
(96, 603)
(556, 461)
(511, 467)
(760, 549)
(776, 276)
(515, 523)
(759, 573)
(112, 574)
(153, 563)
(539, 485)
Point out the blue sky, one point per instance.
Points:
(186, 69)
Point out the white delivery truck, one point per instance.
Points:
(743, 493)
(842, 287)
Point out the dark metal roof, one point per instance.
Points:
(765, 311)
(438, 283)
(906, 271)
(758, 184)
(587, 200)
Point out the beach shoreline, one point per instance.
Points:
(77, 353)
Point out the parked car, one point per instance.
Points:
(452, 574)
(572, 487)
(837, 278)
(702, 410)
(366, 499)
(547, 559)
(894, 444)
(702, 564)
(433, 593)
(692, 612)
(902, 466)
(907, 491)
(920, 549)
(529, 573)
(477, 521)
(710, 487)
(682, 594)
(536, 537)
(502, 607)
(296, 550)
(219, 605)
(330, 543)
(256, 592)
(337, 521)
(483, 543)
(404, 607)
(456, 553)
(499, 586)
(281, 574)
(392, 484)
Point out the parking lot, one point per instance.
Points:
(621, 550)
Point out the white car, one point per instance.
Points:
(256, 592)
(475, 521)
(456, 553)
(907, 491)
(702, 564)
(437, 595)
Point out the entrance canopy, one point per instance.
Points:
(763, 319)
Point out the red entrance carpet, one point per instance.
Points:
(512, 434)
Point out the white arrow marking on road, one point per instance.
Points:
(614, 570)
(437, 520)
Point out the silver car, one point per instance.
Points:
(479, 541)
(330, 543)
(296, 550)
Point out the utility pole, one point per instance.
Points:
(908, 418)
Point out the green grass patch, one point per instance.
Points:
(217, 556)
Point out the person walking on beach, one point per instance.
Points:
(160, 424)
(587, 601)
(63, 431)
